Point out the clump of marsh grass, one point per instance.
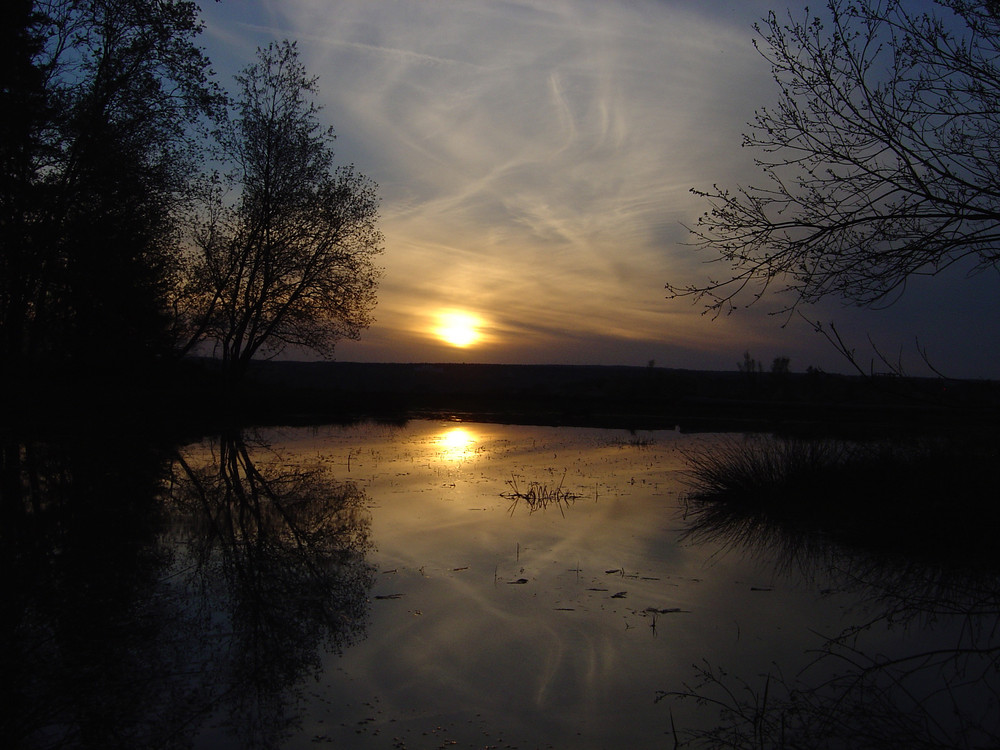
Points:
(924, 497)
(634, 441)
(538, 496)
(762, 470)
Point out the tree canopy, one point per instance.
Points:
(292, 261)
(100, 104)
(880, 157)
(110, 125)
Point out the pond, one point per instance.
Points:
(443, 584)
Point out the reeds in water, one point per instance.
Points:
(766, 470)
(538, 496)
(930, 497)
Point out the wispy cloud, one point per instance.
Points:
(535, 159)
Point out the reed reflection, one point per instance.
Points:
(917, 668)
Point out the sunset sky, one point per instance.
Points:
(534, 160)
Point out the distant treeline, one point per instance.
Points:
(630, 397)
(194, 398)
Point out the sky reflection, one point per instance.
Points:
(435, 616)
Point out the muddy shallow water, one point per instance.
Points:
(443, 584)
(519, 627)
(493, 624)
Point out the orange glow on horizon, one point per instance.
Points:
(458, 329)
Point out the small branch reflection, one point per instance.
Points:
(919, 668)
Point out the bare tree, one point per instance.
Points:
(881, 157)
(291, 261)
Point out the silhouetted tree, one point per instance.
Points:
(781, 366)
(880, 156)
(749, 366)
(23, 112)
(291, 263)
(99, 102)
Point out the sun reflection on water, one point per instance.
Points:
(456, 444)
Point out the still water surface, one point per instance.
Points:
(378, 586)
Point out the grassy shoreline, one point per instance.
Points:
(928, 498)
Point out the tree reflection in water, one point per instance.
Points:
(280, 550)
(82, 615)
(918, 669)
(151, 593)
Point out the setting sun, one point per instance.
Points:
(458, 328)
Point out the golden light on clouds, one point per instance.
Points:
(565, 139)
(459, 329)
